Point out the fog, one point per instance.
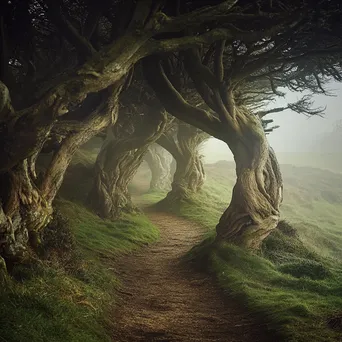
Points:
(298, 136)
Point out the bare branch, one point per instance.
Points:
(263, 113)
(141, 14)
(203, 78)
(168, 143)
(304, 106)
(221, 14)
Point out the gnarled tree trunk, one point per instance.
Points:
(189, 175)
(24, 213)
(114, 169)
(159, 162)
(254, 208)
(119, 159)
(27, 200)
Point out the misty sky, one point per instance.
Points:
(297, 132)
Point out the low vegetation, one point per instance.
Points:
(294, 284)
(68, 294)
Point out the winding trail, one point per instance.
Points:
(163, 299)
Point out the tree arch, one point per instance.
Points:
(236, 78)
(183, 142)
(52, 61)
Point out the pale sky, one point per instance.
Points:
(297, 132)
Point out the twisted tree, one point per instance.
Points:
(119, 159)
(141, 122)
(236, 78)
(159, 162)
(54, 57)
(183, 142)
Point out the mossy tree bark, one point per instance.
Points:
(119, 159)
(27, 199)
(24, 212)
(254, 208)
(159, 162)
(189, 174)
(24, 132)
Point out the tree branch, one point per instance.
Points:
(146, 133)
(143, 11)
(203, 78)
(97, 121)
(168, 143)
(263, 113)
(229, 34)
(220, 14)
(218, 63)
(173, 101)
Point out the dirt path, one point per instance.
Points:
(164, 300)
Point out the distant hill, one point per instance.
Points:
(327, 154)
(321, 160)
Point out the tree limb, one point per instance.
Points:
(168, 143)
(263, 113)
(218, 63)
(173, 101)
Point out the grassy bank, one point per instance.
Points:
(295, 283)
(70, 292)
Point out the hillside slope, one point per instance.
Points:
(294, 284)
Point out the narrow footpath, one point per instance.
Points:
(163, 299)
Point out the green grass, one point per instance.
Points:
(294, 303)
(53, 300)
(295, 283)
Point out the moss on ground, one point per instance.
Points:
(69, 294)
